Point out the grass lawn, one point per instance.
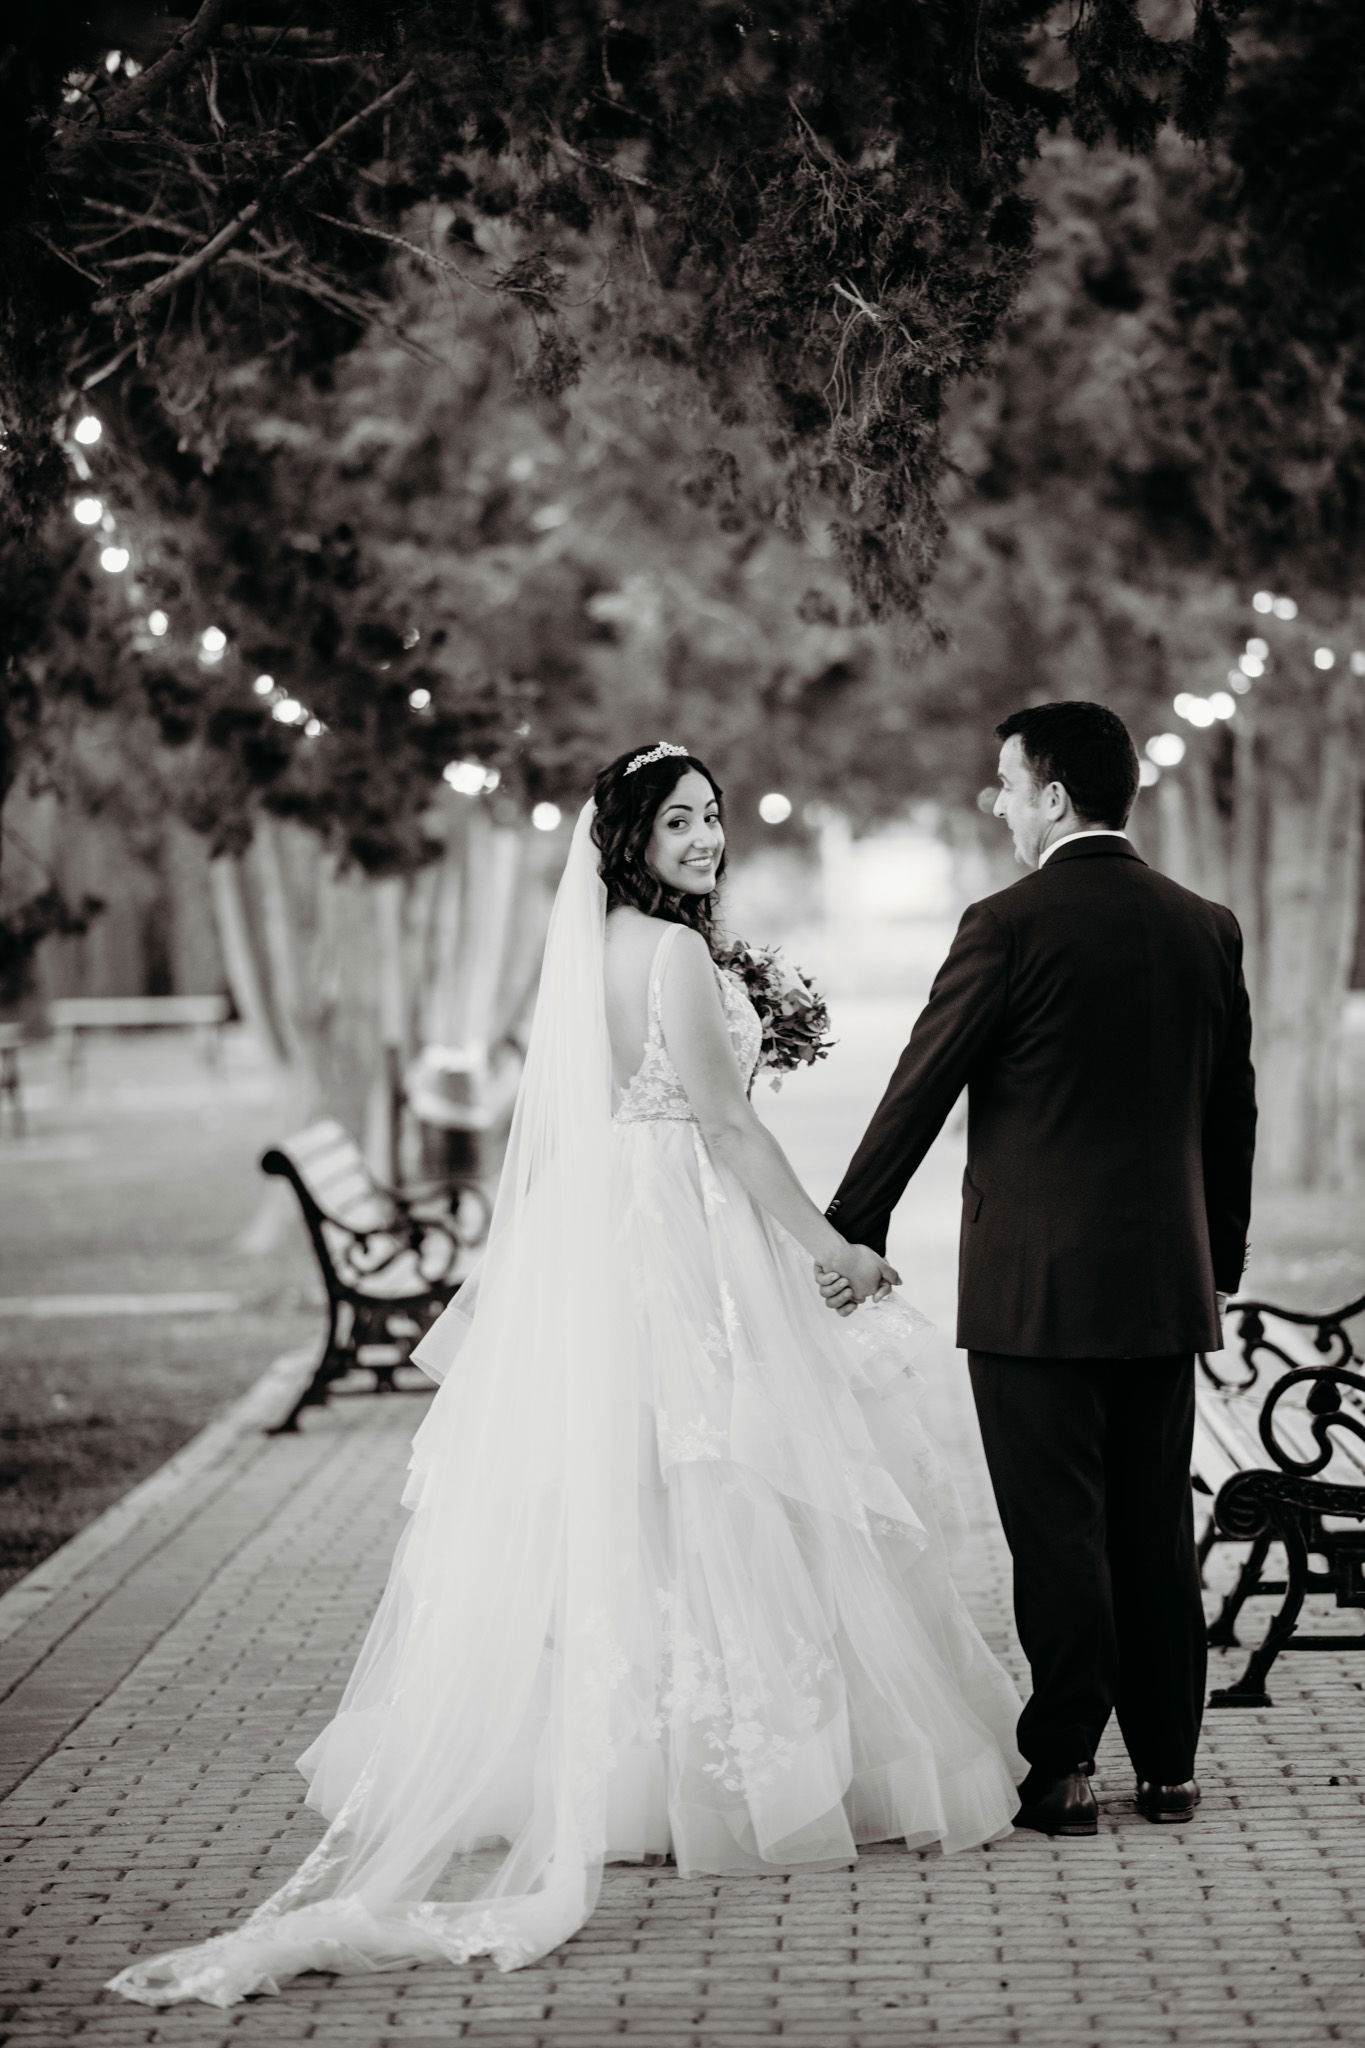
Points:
(138, 1185)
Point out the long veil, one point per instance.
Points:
(465, 1774)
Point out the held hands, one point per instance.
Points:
(856, 1274)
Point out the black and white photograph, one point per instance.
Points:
(682, 1023)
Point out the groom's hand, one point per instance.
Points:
(858, 1274)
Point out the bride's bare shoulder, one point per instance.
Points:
(633, 940)
(628, 927)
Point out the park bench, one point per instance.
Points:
(11, 1038)
(1280, 1449)
(71, 1017)
(388, 1259)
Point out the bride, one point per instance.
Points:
(674, 1580)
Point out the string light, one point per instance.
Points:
(1148, 774)
(263, 685)
(1194, 710)
(1358, 663)
(115, 560)
(88, 430)
(213, 640)
(411, 637)
(1264, 601)
(158, 624)
(1260, 648)
(1285, 608)
(775, 809)
(1166, 750)
(547, 817)
(1222, 705)
(548, 517)
(470, 778)
(1251, 664)
(419, 699)
(314, 729)
(1323, 657)
(1238, 682)
(87, 511)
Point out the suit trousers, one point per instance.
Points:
(1090, 1462)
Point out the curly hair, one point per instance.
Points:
(627, 806)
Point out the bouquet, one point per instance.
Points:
(794, 1014)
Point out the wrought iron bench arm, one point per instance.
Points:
(1326, 1410)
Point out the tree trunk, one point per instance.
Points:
(343, 977)
(1266, 815)
(1304, 910)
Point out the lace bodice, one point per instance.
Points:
(654, 1092)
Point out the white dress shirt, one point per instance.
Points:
(1084, 832)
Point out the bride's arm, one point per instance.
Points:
(700, 1049)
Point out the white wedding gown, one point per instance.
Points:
(675, 1579)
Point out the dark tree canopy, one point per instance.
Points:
(819, 204)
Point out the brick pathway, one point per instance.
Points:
(156, 1728)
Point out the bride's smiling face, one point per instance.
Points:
(687, 837)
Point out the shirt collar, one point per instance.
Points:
(1085, 832)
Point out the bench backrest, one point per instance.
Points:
(113, 1013)
(332, 1168)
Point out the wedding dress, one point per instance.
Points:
(675, 1577)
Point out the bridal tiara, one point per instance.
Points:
(662, 752)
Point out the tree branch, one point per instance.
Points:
(591, 163)
(191, 42)
(356, 227)
(209, 251)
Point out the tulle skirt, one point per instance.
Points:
(765, 1662)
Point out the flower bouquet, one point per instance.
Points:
(794, 1014)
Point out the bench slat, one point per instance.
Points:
(115, 1013)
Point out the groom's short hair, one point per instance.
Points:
(1085, 747)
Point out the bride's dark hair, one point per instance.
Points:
(627, 806)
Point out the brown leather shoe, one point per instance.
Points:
(1061, 1806)
(1167, 1805)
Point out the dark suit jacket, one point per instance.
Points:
(1097, 1016)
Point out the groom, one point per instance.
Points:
(1097, 1016)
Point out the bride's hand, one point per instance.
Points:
(857, 1274)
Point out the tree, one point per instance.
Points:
(1176, 424)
